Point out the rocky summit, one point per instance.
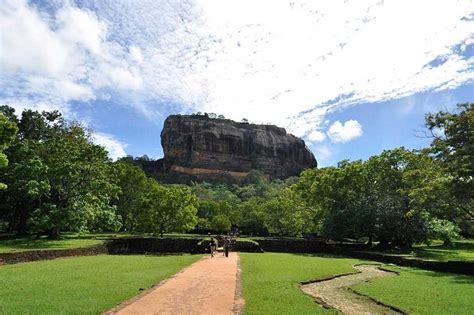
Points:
(203, 147)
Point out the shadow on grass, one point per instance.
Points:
(322, 255)
(453, 278)
(462, 250)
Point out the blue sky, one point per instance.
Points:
(347, 76)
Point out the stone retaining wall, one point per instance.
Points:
(155, 245)
(33, 255)
(246, 246)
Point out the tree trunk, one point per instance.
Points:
(22, 222)
(11, 224)
(369, 242)
(54, 233)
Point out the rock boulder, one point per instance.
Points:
(200, 146)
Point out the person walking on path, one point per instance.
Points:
(226, 246)
(212, 246)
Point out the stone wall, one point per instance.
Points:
(154, 245)
(33, 255)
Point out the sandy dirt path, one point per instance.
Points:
(336, 293)
(206, 287)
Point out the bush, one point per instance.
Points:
(444, 230)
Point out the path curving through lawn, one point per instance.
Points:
(209, 286)
(336, 292)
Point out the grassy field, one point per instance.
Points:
(270, 281)
(462, 250)
(31, 243)
(84, 285)
(270, 286)
(423, 292)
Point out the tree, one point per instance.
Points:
(288, 215)
(133, 184)
(168, 208)
(444, 230)
(28, 184)
(25, 173)
(8, 131)
(81, 185)
(453, 146)
(379, 199)
(253, 216)
(220, 223)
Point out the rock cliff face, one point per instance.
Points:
(199, 146)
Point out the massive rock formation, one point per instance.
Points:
(202, 147)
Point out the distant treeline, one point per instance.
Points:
(56, 179)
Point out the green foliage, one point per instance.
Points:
(81, 185)
(168, 209)
(389, 198)
(288, 215)
(8, 131)
(133, 185)
(220, 223)
(58, 179)
(453, 146)
(444, 230)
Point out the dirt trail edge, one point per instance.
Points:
(336, 292)
(206, 287)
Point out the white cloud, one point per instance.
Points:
(344, 132)
(316, 136)
(61, 57)
(136, 54)
(289, 63)
(115, 147)
(324, 154)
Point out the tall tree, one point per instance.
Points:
(288, 215)
(81, 184)
(8, 131)
(453, 146)
(133, 185)
(168, 209)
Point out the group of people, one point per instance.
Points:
(226, 243)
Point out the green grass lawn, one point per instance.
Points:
(270, 281)
(424, 292)
(83, 285)
(462, 250)
(31, 243)
(270, 286)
